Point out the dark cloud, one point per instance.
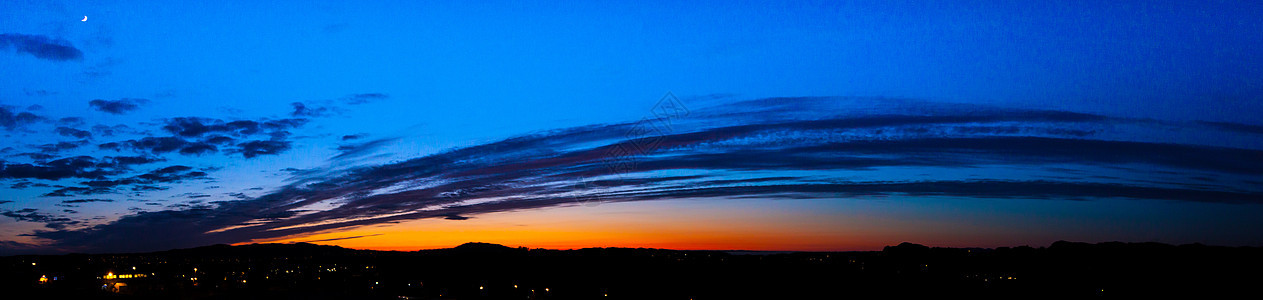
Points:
(60, 146)
(11, 120)
(71, 132)
(195, 127)
(150, 181)
(191, 196)
(342, 238)
(70, 167)
(148, 188)
(86, 201)
(40, 46)
(171, 174)
(356, 150)
(324, 108)
(302, 110)
(733, 153)
(38, 157)
(455, 217)
(201, 136)
(155, 145)
(255, 148)
(117, 107)
(16, 248)
(357, 99)
(33, 215)
(76, 190)
(125, 162)
(198, 149)
(353, 137)
(38, 93)
(27, 184)
(110, 146)
(218, 140)
(5, 202)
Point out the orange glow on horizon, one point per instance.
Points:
(702, 224)
(661, 224)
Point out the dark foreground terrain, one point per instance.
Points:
(487, 271)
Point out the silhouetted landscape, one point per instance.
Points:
(490, 271)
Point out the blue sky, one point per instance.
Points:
(389, 84)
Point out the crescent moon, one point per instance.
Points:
(85, 19)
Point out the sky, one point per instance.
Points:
(134, 126)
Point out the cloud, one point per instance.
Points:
(150, 181)
(202, 136)
(302, 110)
(356, 150)
(32, 215)
(324, 108)
(17, 248)
(71, 132)
(117, 107)
(86, 201)
(155, 145)
(342, 238)
(255, 148)
(357, 99)
(40, 46)
(70, 167)
(191, 127)
(27, 184)
(455, 217)
(37, 93)
(60, 146)
(728, 152)
(11, 120)
(353, 137)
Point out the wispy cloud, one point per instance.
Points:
(42, 47)
(738, 150)
(117, 107)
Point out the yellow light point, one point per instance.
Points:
(480, 287)
(545, 289)
(515, 286)
(43, 279)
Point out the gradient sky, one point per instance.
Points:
(703, 125)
